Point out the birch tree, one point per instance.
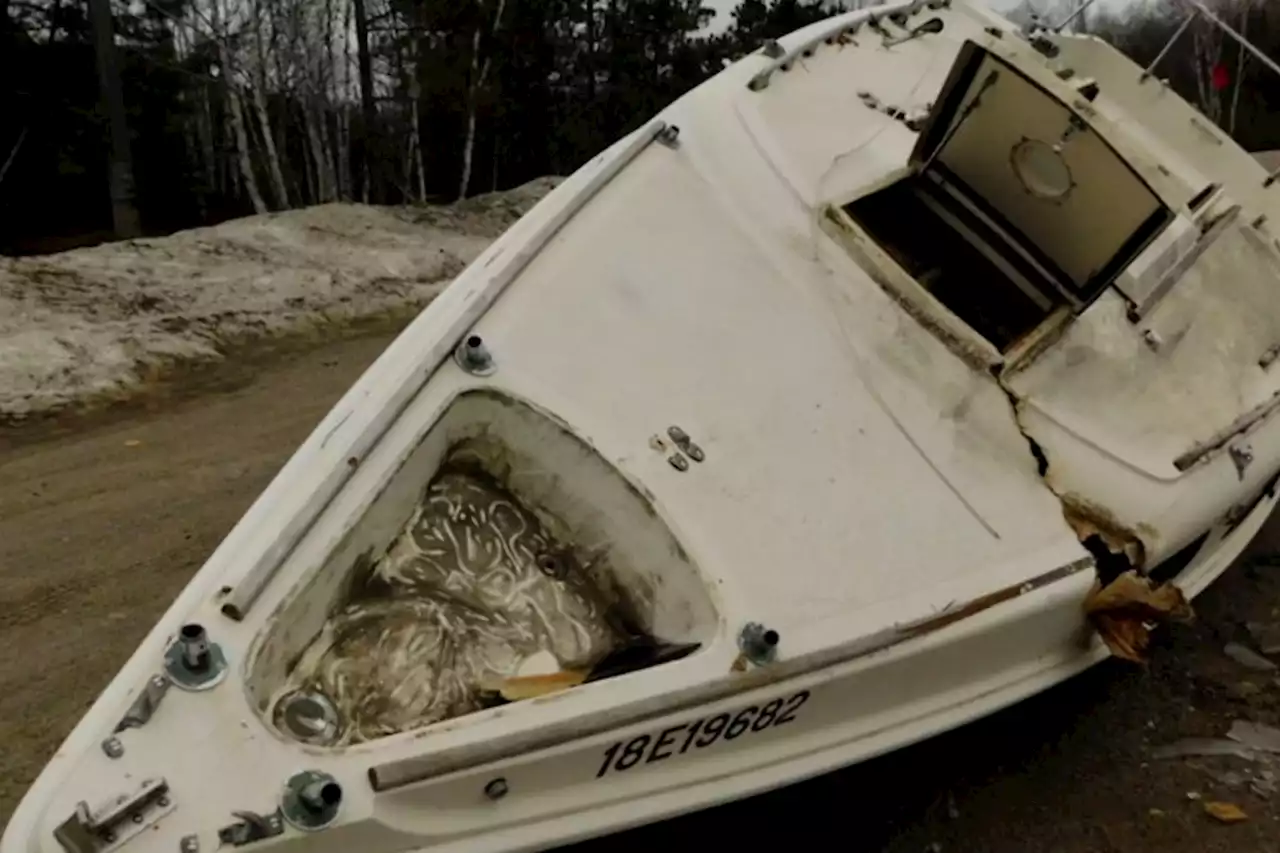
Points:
(479, 74)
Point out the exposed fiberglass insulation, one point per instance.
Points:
(473, 591)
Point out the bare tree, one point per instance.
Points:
(478, 78)
(368, 114)
(124, 212)
(259, 86)
(1242, 58)
(1207, 46)
(235, 108)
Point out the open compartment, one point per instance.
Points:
(505, 558)
(1015, 208)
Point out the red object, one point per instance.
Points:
(1221, 77)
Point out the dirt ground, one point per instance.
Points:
(102, 521)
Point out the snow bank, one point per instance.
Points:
(95, 322)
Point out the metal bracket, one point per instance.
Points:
(113, 823)
(139, 713)
(685, 443)
(1241, 457)
(145, 706)
(933, 25)
(251, 827)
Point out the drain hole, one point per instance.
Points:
(553, 566)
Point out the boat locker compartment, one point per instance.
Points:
(1015, 207)
(506, 558)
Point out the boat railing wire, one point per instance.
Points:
(1198, 10)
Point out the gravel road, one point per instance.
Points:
(103, 519)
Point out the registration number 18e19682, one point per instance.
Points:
(700, 733)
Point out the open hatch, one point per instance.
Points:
(1015, 207)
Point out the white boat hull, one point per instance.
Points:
(717, 379)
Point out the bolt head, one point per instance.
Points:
(497, 788)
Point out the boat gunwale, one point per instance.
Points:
(253, 581)
(399, 773)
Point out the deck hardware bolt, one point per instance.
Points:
(669, 136)
(678, 462)
(163, 802)
(189, 844)
(474, 357)
(311, 800)
(137, 817)
(772, 49)
(1152, 339)
(685, 443)
(497, 788)
(682, 441)
(113, 747)
(194, 643)
(319, 796)
(1242, 456)
(758, 643)
(192, 662)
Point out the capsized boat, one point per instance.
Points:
(909, 366)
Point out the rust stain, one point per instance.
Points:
(991, 599)
(970, 354)
(1036, 343)
(1089, 519)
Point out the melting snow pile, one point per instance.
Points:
(96, 321)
